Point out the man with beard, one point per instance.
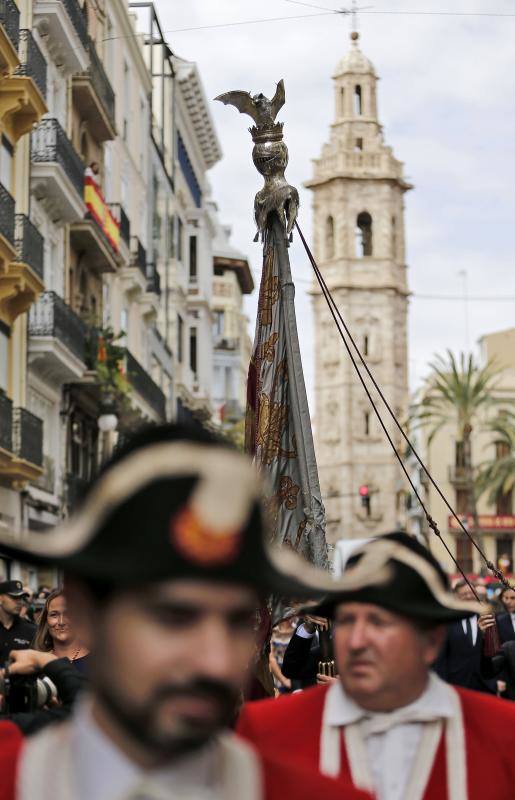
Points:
(16, 633)
(389, 723)
(165, 565)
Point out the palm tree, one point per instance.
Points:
(498, 474)
(459, 392)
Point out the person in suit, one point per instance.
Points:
(501, 665)
(460, 657)
(506, 620)
(302, 656)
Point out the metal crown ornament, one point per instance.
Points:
(270, 156)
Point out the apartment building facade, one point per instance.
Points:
(106, 248)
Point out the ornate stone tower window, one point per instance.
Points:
(358, 186)
(364, 235)
(358, 109)
(329, 237)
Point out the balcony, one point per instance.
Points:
(21, 444)
(149, 299)
(57, 174)
(152, 396)
(57, 341)
(9, 37)
(94, 98)
(139, 256)
(90, 238)
(134, 273)
(22, 99)
(457, 476)
(153, 280)
(21, 261)
(63, 24)
(226, 343)
(120, 215)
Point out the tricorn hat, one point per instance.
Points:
(176, 502)
(398, 573)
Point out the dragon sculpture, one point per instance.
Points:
(270, 156)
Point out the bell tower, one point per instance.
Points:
(358, 208)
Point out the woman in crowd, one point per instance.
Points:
(55, 633)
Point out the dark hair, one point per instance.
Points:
(42, 640)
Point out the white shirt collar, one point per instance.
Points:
(104, 772)
(434, 701)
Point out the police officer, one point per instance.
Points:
(16, 633)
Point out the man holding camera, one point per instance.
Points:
(165, 565)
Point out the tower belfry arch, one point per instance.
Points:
(358, 208)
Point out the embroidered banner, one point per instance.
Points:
(277, 426)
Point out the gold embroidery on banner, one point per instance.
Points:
(269, 292)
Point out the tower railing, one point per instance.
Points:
(33, 63)
(78, 20)
(29, 243)
(51, 316)
(7, 206)
(28, 436)
(10, 19)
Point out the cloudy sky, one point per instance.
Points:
(447, 103)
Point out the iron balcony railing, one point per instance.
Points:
(121, 217)
(100, 81)
(33, 63)
(6, 422)
(139, 255)
(28, 436)
(141, 381)
(6, 214)
(51, 316)
(78, 19)
(10, 19)
(49, 143)
(29, 243)
(153, 280)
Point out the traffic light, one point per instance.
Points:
(364, 493)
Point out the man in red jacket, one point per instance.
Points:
(389, 723)
(165, 565)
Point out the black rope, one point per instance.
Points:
(431, 522)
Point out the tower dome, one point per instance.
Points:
(354, 61)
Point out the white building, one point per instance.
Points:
(231, 341)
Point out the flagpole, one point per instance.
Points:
(278, 426)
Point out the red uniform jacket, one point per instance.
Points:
(292, 724)
(281, 780)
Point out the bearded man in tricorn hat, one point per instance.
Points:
(165, 565)
(389, 723)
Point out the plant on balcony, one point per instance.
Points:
(106, 356)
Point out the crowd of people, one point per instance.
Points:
(163, 627)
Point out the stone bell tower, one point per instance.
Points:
(358, 189)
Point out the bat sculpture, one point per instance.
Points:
(270, 156)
